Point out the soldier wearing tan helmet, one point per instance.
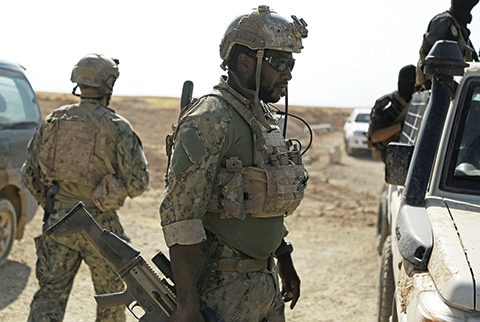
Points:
(82, 152)
(233, 178)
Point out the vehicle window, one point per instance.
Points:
(468, 159)
(17, 100)
(463, 167)
(414, 117)
(362, 118)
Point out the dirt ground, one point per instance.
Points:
(333, 231)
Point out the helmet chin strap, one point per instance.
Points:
(257, 109)
(92, 93)
(237, 80)
(258, 72)
(74, 91)
(286, 114)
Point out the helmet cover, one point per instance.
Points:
(96, 70)
(264, 29)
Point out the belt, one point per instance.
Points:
(59, 206)
(244, 265)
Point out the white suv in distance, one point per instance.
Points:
(19, 116)
(355, 130)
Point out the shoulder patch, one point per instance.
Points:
(454, 30)
(193, 145)
(188, 151)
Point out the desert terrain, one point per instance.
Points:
(333, 231)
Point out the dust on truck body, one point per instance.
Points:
(431, 257)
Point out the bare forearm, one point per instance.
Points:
(185, 259)
(385, 133)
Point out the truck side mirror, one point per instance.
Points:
(397, 161)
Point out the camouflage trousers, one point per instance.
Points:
(245, 297)
(58, 261)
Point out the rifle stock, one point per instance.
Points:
(145, 288)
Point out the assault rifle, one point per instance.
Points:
(145, 289)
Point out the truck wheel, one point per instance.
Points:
(382, 223)
(386, 287)
(8, 228)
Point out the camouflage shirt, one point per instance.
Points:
(210, 133)
(123, 149)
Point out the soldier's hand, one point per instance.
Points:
(290, 279)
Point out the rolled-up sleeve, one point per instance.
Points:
(185, 232)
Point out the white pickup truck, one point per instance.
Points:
(431, 219)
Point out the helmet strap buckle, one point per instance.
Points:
(74, 90)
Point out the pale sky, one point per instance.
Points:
(351, 57)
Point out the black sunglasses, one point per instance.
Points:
(280, 63)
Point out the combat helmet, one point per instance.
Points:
(95, 75)
(263, 29)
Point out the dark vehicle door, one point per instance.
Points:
(19, 116)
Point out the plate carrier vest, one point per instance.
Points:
(273, 186)
(68, 149)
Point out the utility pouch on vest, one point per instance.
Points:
(231, 190)
(110, 194)
(275, 191)
(260, 192)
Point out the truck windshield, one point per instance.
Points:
(468, 159)
(18, 104)
(362, 118)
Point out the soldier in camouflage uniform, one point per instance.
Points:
(449, 25)
(82, 152)
(233, 178)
